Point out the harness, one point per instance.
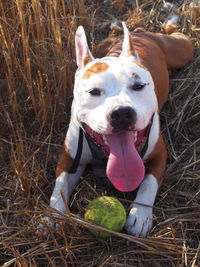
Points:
(100, 155)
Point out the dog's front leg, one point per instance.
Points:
(66, 181)
(140, 218)
(64, 186)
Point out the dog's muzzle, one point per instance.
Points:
(123, 118)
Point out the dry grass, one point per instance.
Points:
(36, 71)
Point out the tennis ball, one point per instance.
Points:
(107, 212)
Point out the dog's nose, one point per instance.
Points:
(122, 118)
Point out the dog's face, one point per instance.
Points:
(114, 98)
(112, 94)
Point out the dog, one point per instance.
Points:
(114, 122)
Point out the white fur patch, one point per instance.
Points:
(140, 218)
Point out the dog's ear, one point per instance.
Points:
(127, 47)
(83, 54)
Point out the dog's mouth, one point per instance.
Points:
(125, 167)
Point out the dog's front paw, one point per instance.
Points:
(139, 221)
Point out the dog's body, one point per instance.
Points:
(117, 101)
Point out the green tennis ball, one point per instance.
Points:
(107, 212)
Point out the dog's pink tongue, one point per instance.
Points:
(125, 168)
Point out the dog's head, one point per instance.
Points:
(113, 96)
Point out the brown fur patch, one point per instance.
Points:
(96, 68)
(169, 29)
(65, 161)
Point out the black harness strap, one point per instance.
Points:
(77, 158)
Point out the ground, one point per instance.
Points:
(37, 67)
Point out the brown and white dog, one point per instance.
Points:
(115, 116)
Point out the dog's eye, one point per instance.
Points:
(95, 92)
(137, 86)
